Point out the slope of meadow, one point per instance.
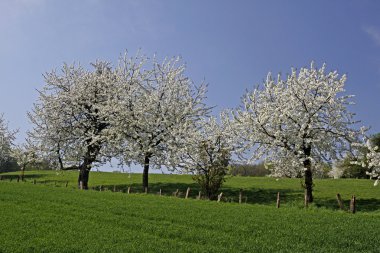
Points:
(256, 190)
(52, 218)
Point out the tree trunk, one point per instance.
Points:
(308, 179)
(309, 185)
(84, 172)
(145, 172)
(208, 191)
(85, 167)
(22, 172)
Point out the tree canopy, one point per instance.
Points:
(141, 111)
(7, 137)
(298, 122)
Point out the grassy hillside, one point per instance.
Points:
(40, 218)
(261, 190)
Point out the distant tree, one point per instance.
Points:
(373, 158)
(297, 123)
(157, 108)
(323, 171)
(26, 156)
(350, 169)
(70, 125)
(6, 141)
(253, 170)
(370, 158)
(375, 140)
(207, 155)
(10, 165)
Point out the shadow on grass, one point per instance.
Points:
(250, 195)
(362, 205)
(15, 176)
(167, 189)
(288, 197)
(36, 179)
(262, 196)
(253, 195)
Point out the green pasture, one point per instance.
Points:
(256, 190)
(48, 217)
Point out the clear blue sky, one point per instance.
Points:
(232, 44)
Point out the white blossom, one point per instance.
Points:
(297, 122)
(6, 141)
(370, 159)
(70, 124)
(213, 140)
(24, 154)
(207, 154)
(155, 110)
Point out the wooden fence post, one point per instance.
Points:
(129, 190)
(176, 193)
(199, 194)
(278, 200)
(340, 202)
(100, 188)
(240, 195)
(160, 192)
(353, 204)
(246, 199)
(187, 192)
(114, 188)
(220, 196)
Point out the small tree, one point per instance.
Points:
(297, 123)
(207, 155)
(25, 155)
(210, 172)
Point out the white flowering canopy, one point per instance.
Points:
(155, 111)
(303, 118)
(370, 159)
(70, 124)
(6, 140)
(140, 111)
(25, 154)
(373, 158)
(209, 146)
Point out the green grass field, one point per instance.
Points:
(48, 217)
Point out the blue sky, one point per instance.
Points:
(230, 44)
